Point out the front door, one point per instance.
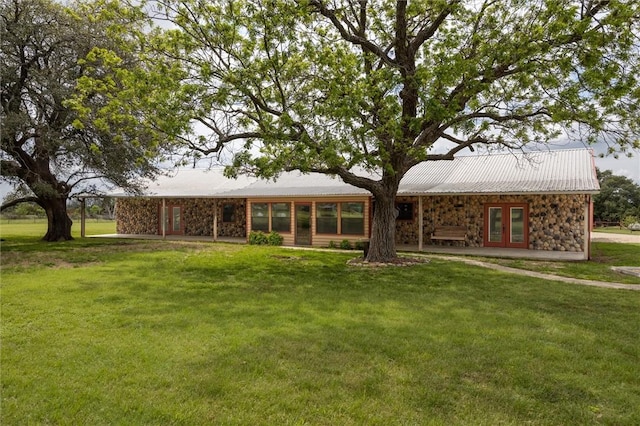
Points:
(173, 220)
(303, 225)
(506, 225)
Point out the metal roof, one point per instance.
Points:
(191, 183)
(561, 171)
(531, 172)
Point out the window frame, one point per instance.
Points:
(272, 217)
(337, 217)
(234, 207)
(253, 217)
(342, 232)
(400, 211)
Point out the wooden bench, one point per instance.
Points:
(450, 233)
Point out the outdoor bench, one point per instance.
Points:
(452, 233)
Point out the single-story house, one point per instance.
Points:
(533, 201)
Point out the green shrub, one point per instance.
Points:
(332, 244)
(258, 238)
(274, 239)
(628, 220)
(345, 245)
(359, 245)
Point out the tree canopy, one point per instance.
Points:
(340, 86)
(619, 197)
(74, 101)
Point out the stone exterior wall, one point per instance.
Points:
(407, 230)
(237, 228)
(137, 216)
(197, 215)
(141, 216)
(556, 222)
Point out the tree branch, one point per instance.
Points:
(20, 201)
(359, 40)
(427, 32)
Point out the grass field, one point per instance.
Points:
(149, 332)
(38, 227)
(615, 230)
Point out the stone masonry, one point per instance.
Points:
(141, 216)
(556, 222)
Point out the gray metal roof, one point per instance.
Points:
(532, 172)
(191, 183)
(561, 171)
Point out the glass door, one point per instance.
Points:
(495, 225)
(172, 216)
(303, 225)
(516, 226)
(506, 225)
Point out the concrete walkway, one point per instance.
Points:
(595, 236)
(540, 275)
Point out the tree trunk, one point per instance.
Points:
(58, 221)
(382, 245)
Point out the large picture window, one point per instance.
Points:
(340, 218)
(260, 217)
(327, 218)
(352, 218)
(281, 217)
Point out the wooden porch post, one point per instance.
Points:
(588, 226)
(83, 217)
(420, 224)
(163, 218)
(215, 221)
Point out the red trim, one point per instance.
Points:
(506, 225)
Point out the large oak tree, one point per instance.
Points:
(73, 102)
(337, 86)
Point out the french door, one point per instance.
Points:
(173, 220)
(506, 225)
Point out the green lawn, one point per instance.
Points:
(38, 227)
(615, 230)
(151, 332)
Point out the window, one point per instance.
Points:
(260, 217)
(281, 217)
(352, 218)
(327, 218)
(229, 213)
(349, 215)
(405, 211)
